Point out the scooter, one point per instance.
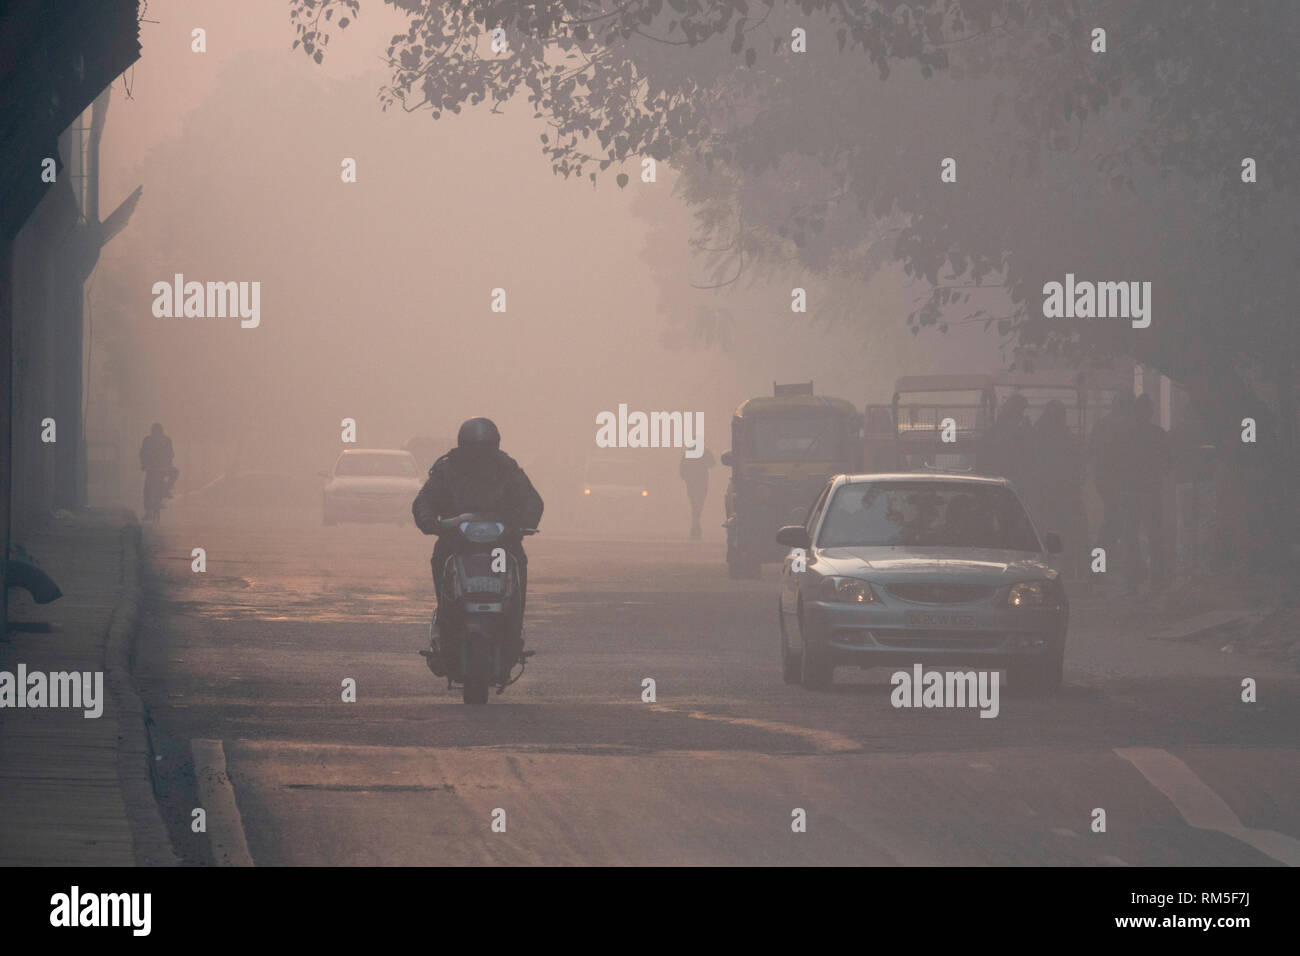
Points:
(482, 618)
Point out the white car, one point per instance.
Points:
(371, 484)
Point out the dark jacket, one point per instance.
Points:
(156, 453)
(495, 486)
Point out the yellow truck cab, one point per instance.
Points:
(784, 448)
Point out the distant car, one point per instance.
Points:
(613, 481)
(921, 568)
(369, 484)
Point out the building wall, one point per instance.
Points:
(44, 302)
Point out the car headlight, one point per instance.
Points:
(1038, 594)
(846, 591)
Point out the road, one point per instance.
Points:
(242, 666)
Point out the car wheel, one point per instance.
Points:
(791, 665)
(1038, 675)
(815, 671)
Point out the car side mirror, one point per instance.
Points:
(793, 536)
(1053, 543)
(726, 459)
(323, 474)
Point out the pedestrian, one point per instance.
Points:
(1055, 484)
(1111, 472)
(1151, 458)
(1004, 449)
(695, 473)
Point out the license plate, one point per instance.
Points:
(930, 619)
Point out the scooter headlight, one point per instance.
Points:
(482, 531)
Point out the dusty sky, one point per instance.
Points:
(375, 295)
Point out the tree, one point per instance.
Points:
(1125, 164)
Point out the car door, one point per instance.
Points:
(790, 579)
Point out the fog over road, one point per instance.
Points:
(247, 660)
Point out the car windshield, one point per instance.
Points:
(926, 514)
(375, 466)
(811, 435)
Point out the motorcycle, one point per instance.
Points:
(482, 616)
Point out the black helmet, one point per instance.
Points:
(478, 433)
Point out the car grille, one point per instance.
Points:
(940, 593)
(909, 638)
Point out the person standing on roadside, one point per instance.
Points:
(695, 473)
(1150, 457)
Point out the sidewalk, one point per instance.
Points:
(76, 791)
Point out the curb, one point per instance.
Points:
(152, 844)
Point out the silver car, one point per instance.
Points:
(371, 484)
(899, 569)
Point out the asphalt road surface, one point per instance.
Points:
(242, 668)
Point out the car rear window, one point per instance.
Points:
(375, 466)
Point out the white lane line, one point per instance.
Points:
(1201, 807)
(225, 828)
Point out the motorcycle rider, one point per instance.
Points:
(475, 477)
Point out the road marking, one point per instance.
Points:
(826, 741)
(225, 828)
(1201, 807)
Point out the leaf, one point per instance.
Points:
(621, 179)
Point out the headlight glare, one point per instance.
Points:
(847, 591)
(1032, 594)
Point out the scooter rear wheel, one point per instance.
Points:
(474, 689)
